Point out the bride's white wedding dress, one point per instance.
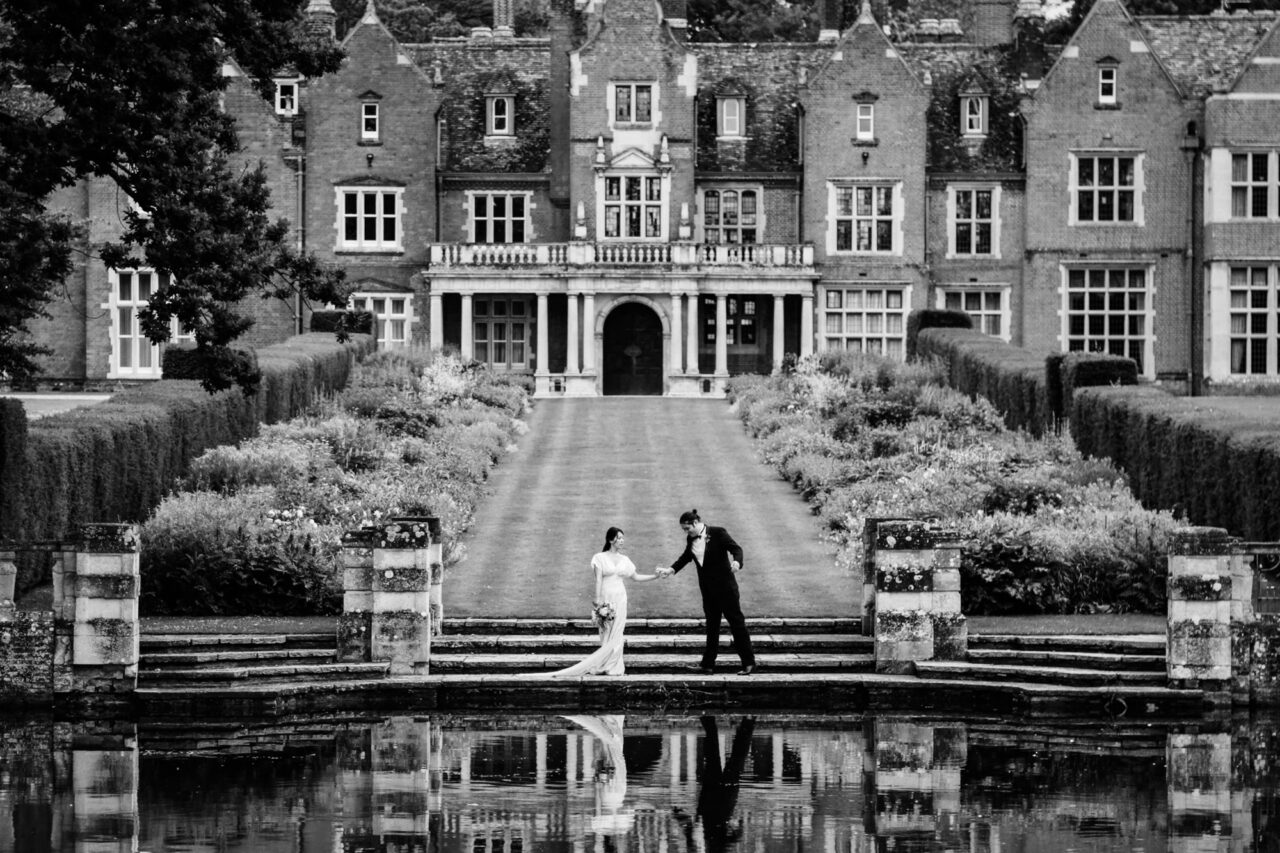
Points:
(614, 569)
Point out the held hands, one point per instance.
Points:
(663, 572)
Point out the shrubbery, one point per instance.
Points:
(1046, 530)
(258, 529)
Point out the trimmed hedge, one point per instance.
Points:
(116, 460)
(933, 318)
(13, 448)
(1217, 463)
(1013, 379)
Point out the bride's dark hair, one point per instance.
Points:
(610, 535)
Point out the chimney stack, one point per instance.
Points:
(830, 11)
(322, 21)
(503, 19)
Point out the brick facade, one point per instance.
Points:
(858, 177)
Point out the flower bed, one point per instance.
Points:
(257, 528)
(1045, 530)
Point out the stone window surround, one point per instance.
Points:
(114, 307)
(525, 195)
(891, 313)
(952, 209)
(731, 116)
(984, 289)
(700, 229)
(833, 186)
(363, 300)
(1138, 187)
(1106, 336)
(500, 115)
(361, 244)
(663, 176)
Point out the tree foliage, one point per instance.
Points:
(129, 90)
(751, 21)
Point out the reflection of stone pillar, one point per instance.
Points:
(104, 648)
(435, 304)
(915, 784)
(779, 330)
(355, 625)
(677, 339)
(468, 343)
(722, 335)
(386, 773)
(691, 353)
(401, 628)
(1200, 802)
(571, 346)
(1200, 592)
(97, 769)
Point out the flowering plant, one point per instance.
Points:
(602, 613)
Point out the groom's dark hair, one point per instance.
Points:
(610, 535)
(689, 517)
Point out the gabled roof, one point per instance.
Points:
(1204, 53)
(1112, 7)
(865, 27)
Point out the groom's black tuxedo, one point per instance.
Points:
(719, 589)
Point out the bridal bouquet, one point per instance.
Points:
(602, 614)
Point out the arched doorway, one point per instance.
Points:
(632, 350)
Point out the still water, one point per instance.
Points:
(612, 783)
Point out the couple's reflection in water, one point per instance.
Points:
(711, 827)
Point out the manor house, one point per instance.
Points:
(613, 209)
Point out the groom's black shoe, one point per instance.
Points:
(705, 670)
(747, 670)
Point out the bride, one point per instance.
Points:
(609, 611)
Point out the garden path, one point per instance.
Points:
(638, 462)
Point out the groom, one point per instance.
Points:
(718, 559)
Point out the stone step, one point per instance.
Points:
(583, 642)
(261, 674)
(453, 664)
(561, 625)
(162, 642)
(1115, 643)
(1054, 658)
(153, 660)
(963, 671)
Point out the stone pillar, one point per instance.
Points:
(8, 581)
(1198, 768)
(571, 348)
(468, 338)
(400, 632)
(435, 305)
(104, 642)
(435, 590)
(543, 370)
(917, 595)
(677, 336)
(355, 625)
(1199, 620)
(691, 351)
(779, 330)
(588, 332)
(722, 335)
(806, 325)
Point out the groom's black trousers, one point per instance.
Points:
(719, 603)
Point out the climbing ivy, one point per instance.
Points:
(949, 151)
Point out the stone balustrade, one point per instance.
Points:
(915, 585)
(622, 254)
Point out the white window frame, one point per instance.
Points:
(954, 220)
(1250, 187)
(1098, 191)
(836, 214)
(731, 114)
(632, 90)
(605, 205)
(512, 329)
(370, 121)
(973, 115)
(976, 301)
(363, 240)
(512, 222)
(122, 311)
(1108, 84)
(394, 323)
(864, 121)
(500, 115)
(727, 221)
(868, 317)
(1253, 329)
(287, 105)
(1111, 321)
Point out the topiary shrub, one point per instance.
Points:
(933, 318)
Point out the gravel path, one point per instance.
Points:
(638, 462)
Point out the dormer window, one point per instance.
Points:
(500, 115)
(287, 98)
(1108, 80)
(866, 128)
(973, 115)
(731, 111)
(370, 122)
(633, 103)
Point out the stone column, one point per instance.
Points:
(435, 589)
(677, 338)
(691, 353)
(588, 332)
(779, 330)
(435, 303)
(544, 368)
(401, 624)
(1199, 621)
(104, 642)
(722, 335)
(917, 596)
(355, 625)
(8, 580)
(806, 325)
(571, 365)
(468, 340)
